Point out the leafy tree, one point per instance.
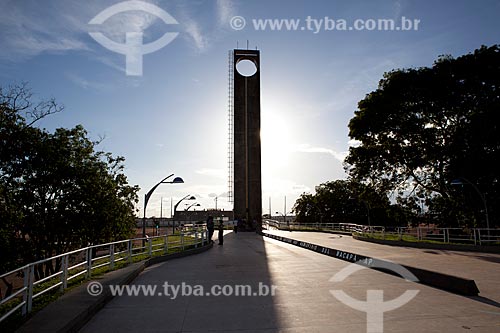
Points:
(424, 127)
(57, 192)
(306, 209)
(342, 201)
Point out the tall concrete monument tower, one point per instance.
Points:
(246, 159)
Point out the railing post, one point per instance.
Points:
(479, 236)
(129, 250)
(196, 238)
(182, 241)
(475, 239)
(89, 262)
(26, 282)
(30, 287)
(64, 274)
(112, 256)
(150, 247)
(446, 235)
(166, 244)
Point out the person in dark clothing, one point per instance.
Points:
(210, 228)
(221, 233)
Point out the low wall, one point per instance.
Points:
(438, 280)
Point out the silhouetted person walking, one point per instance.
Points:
(221, 233)
(210, 228)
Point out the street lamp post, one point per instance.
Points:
(284, 216)
(367, 205)
(285, 210)
(177, 180)
(481, 195)
(187, 197)
(192, 205)
(161, 216)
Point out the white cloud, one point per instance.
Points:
(200, 33)
(87, 84)
(272, 186)
(306, 148)
(216, 173)
(204, 195)
(132, 21)
(397, 9)
(32, 28)
(300, 188)
(193, 30)
(225, 10)
(29, 29)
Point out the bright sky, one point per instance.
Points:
(173, 118)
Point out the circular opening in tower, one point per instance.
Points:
(246, 67)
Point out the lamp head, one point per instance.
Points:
(177, 180)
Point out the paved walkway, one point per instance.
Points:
(302, 303)
(483, 268)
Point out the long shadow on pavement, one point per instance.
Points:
(241, 261)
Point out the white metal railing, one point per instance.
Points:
(347, 227)
(476, 236)
(32, 280)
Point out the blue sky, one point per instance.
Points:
(173, 118)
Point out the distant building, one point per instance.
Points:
(184, 217)
(191, 216)
(153, 221)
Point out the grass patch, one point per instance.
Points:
(408, 238)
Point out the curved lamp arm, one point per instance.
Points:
(177, 180)
(189, 197)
